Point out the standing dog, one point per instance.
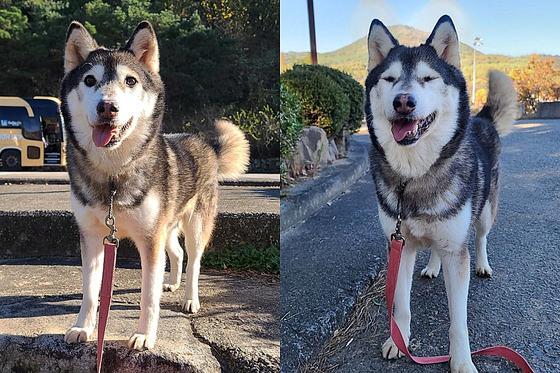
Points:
(424, 139)
(113, 104)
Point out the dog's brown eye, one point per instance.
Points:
(389, 79)
(130, 81)
(428, 79)
(90, 80)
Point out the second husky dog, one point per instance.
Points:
(435, 162)
(113, 104)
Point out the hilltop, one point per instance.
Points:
(353, 58)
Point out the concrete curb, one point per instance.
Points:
(304, 200)
(20, 238)
(61, 178)
(49, 353)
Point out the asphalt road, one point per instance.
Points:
(327, 260)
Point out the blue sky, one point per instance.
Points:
(514, 27)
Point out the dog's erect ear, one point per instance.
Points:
(380, 42)
(445, 41)
(143, 44)
(79, 44)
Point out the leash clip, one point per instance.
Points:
(398, 235)
(400, 196)
(110, 222)
(111, 239)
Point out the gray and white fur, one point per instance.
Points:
(166, 185)
(418, 117)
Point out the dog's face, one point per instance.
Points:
(413, 92)
(110, 95)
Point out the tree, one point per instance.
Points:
(480, 97)
(218, 57)
(12, 22)
(536, 82)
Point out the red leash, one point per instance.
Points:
(110, 245)
(106, 294)
(397, 243)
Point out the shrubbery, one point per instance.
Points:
(353, 90)
(331, 99)
(291, 125)
(324, 103)
(262, 126)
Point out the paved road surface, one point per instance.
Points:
(15, 197)
(327, 260)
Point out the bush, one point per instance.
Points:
(353, 90)
(291, 126)
(343, 104)
(263, 128)
(324, 102)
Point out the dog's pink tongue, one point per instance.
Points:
(402, 127)
(102, 134)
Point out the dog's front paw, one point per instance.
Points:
(191, 305)
(390, 350)
(430, 272)
(170, 286)
(78, 335)
(462, 367)
(141, 342)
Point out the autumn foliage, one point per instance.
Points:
(537, 82)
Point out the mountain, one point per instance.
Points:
(353, 58)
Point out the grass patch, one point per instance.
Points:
(246, 258)
(363, 320)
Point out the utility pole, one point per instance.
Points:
(312, 32)
(477, 43)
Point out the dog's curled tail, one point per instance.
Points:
(502, 106)
(232, 149)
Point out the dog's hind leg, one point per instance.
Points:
(198, 230)
(175, 252)
(402, 302)
(92, 270)
(483, 225)
(433, 267)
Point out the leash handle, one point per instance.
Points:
(392, 277)
(109, 261)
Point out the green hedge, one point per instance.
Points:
(353, 90)
(331, 99)
(324, 103)
(291, 125)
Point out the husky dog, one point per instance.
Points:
(423, 140)
(113, 104)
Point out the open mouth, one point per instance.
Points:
(407, 131)
(108, 134)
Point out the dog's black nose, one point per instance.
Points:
(404, 103)
(107, 109)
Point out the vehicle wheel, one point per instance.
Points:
(11, 160)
